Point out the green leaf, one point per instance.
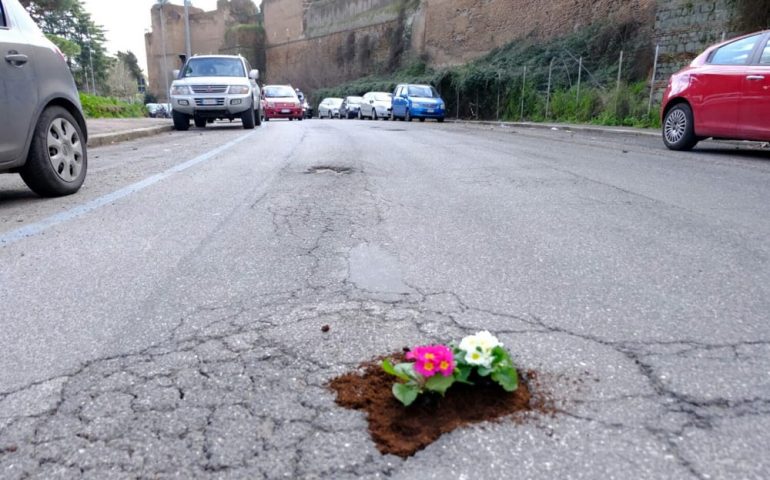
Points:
(439, 383)
(406, 371)
(391, 370)
(507, 378)
(484, 371)
(462, 373)
(406, 393)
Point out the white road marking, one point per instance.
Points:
(42, 225)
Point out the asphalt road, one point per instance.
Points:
(166, 321)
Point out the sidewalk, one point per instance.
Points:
(104, 131)
(597, 129)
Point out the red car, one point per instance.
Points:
(281, 101)
(724, 94)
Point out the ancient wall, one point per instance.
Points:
(322, 42)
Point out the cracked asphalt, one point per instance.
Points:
(176, 332)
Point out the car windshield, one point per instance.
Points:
(214, 67)
(422, 91)
(279, 91)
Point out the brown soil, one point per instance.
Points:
(402, 431)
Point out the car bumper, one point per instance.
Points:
(275, 112)
(427, 112)
(232, 105)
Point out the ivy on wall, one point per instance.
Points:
(752, 15)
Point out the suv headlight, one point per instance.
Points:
(180, 90)
(239, 89)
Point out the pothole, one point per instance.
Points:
(330, 169)
(403, 431)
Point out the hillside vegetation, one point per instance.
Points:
(495, 85)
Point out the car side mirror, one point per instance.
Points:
(175, 73)
(254, 74)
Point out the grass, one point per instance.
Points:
(107, 107)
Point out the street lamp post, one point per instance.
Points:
(163, 63)
(187, 42)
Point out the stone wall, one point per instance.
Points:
(684, 28)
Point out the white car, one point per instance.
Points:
(329, 108)
(376, 105)
(212, 87)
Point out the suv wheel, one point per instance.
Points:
(248, 119)
(259, 117)
(57, 160)
(200, 122)
(181, 121)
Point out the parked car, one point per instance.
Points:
(417, 101)
(722, 94)
(43, 135)
(158, 110)
(350, 107)
(329, 108)
(211, 87)
(376, 105)
(282, 102)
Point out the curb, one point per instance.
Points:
(103, 139)
(564, 127)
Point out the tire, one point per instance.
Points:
(408, 116)
(181, 121)
(247, 117)
(200, 122)
(421, 119)
(300, 119)
(678, 128)
(259, 117)
(440, 120)
(374, 115)
(63, 173)
(267, 119)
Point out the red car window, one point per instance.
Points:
(736, 53)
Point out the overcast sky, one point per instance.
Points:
(126, 22)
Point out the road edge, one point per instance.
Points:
(103, 139)
(567, 127)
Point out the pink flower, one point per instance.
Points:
(432, 359)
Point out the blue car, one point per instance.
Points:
(417, 101)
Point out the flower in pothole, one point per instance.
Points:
(432, 359)
(483, 340)
(479, 358)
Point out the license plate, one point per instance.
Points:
(430, 110)
(285, 110)
(209, 101)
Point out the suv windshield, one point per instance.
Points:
(214, 67)
(422, 91)
(279, 92)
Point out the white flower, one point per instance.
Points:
(478, 358)
(482, 340)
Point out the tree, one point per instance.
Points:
(68, 20)
(244, 11)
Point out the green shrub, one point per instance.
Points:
(107, 107)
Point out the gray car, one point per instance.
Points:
(43, 134)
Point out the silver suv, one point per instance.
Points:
(43, 133)
(211, 87)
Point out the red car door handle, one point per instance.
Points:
(755, 77)
(16, 59)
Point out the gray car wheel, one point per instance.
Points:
(678, 128)
(57, 160)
